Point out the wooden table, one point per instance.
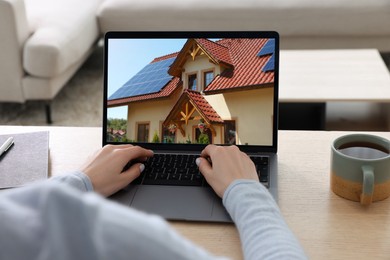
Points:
(333, 75)
(328, 226)
(310, 79)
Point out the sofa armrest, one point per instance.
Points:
(14, 32)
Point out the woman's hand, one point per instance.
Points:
(105, 169)
(221, 165)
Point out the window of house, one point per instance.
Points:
(192, 82)
(230, 132)
(143, 132)
(207, 78)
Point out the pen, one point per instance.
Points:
(7, 144)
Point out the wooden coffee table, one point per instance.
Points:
(309, 79)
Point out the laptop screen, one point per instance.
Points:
(184, 90)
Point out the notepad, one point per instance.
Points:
(26, 161)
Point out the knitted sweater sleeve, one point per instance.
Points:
(263, 231)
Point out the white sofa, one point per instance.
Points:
(302, 24)
(44, 42)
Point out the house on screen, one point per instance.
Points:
(221, 89)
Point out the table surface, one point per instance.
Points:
(333, 75)
(327, 226)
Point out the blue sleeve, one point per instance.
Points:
(75, 179)
(50, 220)
(263, 231)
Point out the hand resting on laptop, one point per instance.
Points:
(227, 165)
(105, 169)
(219, 165)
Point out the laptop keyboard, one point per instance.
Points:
(181, 170)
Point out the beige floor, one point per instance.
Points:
(80, 104)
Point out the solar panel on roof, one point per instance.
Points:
(268, 48)
(270, 65)
(151, 79)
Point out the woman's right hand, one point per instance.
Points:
(221, 165)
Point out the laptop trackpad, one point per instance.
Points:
(175, 202)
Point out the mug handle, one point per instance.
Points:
(368, 185)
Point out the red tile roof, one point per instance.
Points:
(218, 51)
(165, 57)
(203, 106)
(206, 111)
(246, 66)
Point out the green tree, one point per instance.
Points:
(203, 139)
(117, 123)
(156, 138)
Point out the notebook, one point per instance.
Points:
(176, 92)
(26, 161)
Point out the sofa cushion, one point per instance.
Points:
(62, 32)
(288, 17)
(14, 32)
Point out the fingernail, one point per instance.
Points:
(197, 161)
(142, 167)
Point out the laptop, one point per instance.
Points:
(177, 92)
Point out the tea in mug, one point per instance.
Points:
(363, 150)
